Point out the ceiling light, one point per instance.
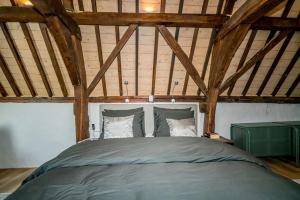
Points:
(24, 3)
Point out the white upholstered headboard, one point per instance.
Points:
(95, 114)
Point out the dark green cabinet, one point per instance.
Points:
(267, 139)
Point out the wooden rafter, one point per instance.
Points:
(99, 47)
(159, 98)
(212, 38)
(3, 91)
(228, 8)
(275, 63)
(257, 57)
(111, 58)
(162, 10)
(243, 58)
(16, 14)
(68, 4)
(286, 72)
(270, 36)
(18, 59)
(173, 54)
(137, 10)
(80, 5)
(53, 59)
(9, 76)
(293, 86)
(119, 60)
(36, 58)
(182, 57)
(193, 46)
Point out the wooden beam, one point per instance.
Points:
(275, 63)
(80, 5)
(18, 59)
(159, 98)
(111, 58)
(228, 8)
(3, 91)
(36, 58)
(62, 37)
(99, 47)
(182, 57)
(81, 95)
(193, 46)
(68, 4)
(9, 76)
(293, 86)
(173, 54)
(243, 58)
(16, 14)
(249, 12)
(55, 8)
(119, 62)
(286, 72)
(257, 57)
(53, 58)
(212, 38)
(137, 10)
(256, 67)
(162, 10)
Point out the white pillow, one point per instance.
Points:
(118, 127)
(182, 127)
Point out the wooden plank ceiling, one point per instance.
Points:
(31, 64)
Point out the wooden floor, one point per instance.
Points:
(10, 179)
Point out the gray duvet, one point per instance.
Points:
(155, 168)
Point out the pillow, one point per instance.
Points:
(182, 127)
(138, 120)
(117, 127)
(161, 127)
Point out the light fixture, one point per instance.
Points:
(175, 84)
(126, 85)
(24, 3)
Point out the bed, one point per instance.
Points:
(155, 168)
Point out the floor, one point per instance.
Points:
(10, 179)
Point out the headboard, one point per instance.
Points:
(95, 114)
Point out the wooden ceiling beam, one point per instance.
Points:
(243, 58)
(270, 36)
(275, 63)
(80, 5)
(18, 14)
(156, 36)
(3, 91)
(9, 77)
(99, 48)
(119, 60)
(182, 57)
(53, 59)
(193, 46)
(212, 39)
(257, 57)
(181, 2)
(248, 13)
(111, 58)
(68, 4)
(55, 8)
(36, 58)
(18, 59)
(137, 10)
(293, 86)
(286, 72)
(228, 8)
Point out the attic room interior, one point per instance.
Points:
(149, 99)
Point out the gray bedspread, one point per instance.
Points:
(155, 168)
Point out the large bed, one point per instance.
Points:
(155, 168)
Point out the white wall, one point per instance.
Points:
(228, 113)
(31, 134)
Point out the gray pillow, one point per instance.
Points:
(138, 119)
(161, 127)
